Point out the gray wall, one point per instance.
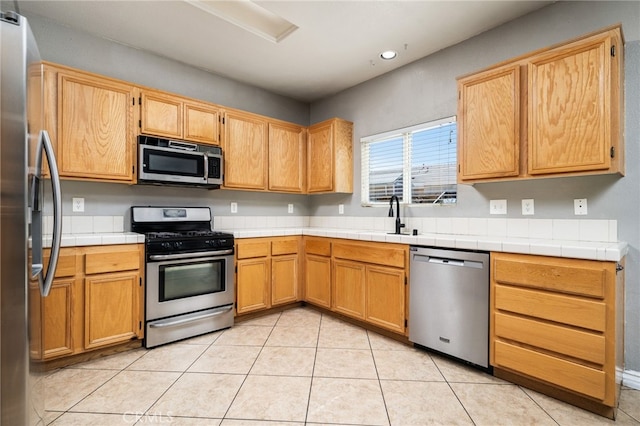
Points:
(419, 92)
(426, 90)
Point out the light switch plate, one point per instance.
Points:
(527, 207)
(580, 206)
(498, 207)
(340, 208)
(234, 207)
(78, 204)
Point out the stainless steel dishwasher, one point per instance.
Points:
(449, 302)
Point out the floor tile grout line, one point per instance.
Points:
(375, 366)
(524, 390)
(313, 370)
(452, 390)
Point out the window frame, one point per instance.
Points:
(407, 143)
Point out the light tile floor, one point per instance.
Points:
(294, 368)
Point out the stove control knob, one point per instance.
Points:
(166, 245)
(177, 245)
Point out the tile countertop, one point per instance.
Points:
(592, 250)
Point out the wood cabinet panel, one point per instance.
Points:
(580, 277)
(583, 313)
(284, 279)
(111, 306)
(253, 285)
(567, 341)
(317, 280)
(95, 130)
(245, 151)
(382, 254)
(57, 314)
(285, 246)
(319, 246)
(385, 304)
(330, 157)
(349, 288)
(287, 157)
(489, 124)
(201, 123)
(585, 380)
(100, 261)
(161, 115)
(254, 248)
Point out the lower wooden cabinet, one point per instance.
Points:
(558, 322)
(96, 300)
(268, 273)
(349, 280)
(317, 271)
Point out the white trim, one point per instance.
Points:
(399, 132)
(631, 379)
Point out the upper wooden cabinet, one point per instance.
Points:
(287, 156)
(330, 157)
(245, 151)
(171, 116)
(93, 121)
(551, 113)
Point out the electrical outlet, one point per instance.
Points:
(340, 208)
(527, 207)
(290, 208)
(498, 207)
(580, 206)
(78, 204)
(234, 207)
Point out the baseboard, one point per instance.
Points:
(631, 379)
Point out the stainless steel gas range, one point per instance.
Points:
(189, 273)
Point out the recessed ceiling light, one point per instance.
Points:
(387, 55)
(248, 15)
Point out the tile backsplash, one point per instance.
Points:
(539, 229)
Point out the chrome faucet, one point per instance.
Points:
(398, 224)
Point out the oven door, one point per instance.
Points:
(182, 283)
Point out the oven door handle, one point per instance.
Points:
(190, 255)
(173, 323)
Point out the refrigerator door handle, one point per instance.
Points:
(47, 281)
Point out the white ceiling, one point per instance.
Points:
(336, 46)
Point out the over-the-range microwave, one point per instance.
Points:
(173, 162)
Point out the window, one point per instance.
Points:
(424, 155)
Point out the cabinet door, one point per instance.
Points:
(57, 315)
(489, 124)
(570, 108)
(161, 115)
(317, 281)
(95, 137)
(349, 288)
(112, 310)
(386, 298)
(320, 158)
(252, 291)
(284, 279)
(287, 158)
(245, 151)
(201, 123)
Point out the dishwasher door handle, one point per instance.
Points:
(448, 261)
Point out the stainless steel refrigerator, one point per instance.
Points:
(23, 146)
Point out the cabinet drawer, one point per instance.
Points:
(572, 376)
(319, 247)
(379, 254)
(66, 265)
(563, 340)
(289, 246)
(100, 262)
(572, 276)
(563, 309)
(247, 250)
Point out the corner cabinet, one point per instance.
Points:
(90, 120)
(167, 115)
(287, 156)
(245, 150)
(330, 157)
(557, 326)
(317, 271)
(555, 112)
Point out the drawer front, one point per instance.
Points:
(575, 377)
(582, 277)
(563, 340)
(289, 246)
(97, 263)
(589, 314)
(319, 247)
(247, 250)
(379, 254)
